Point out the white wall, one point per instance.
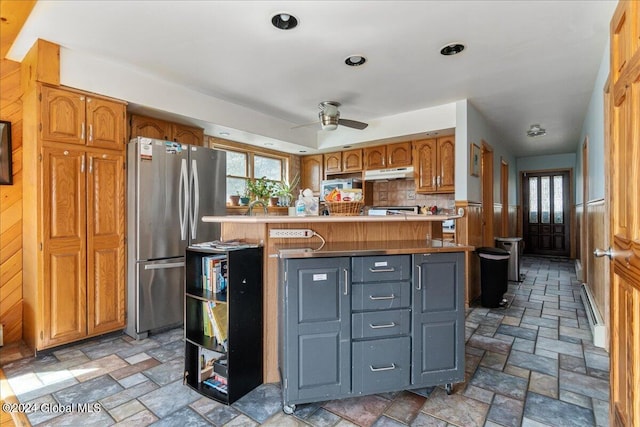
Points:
(478, 130)
(593, 128)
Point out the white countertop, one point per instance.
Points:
(275, 219)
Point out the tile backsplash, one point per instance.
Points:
(402, 192)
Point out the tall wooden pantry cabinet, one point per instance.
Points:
(74, 215)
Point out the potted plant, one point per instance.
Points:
(285, 190)
(260, 188)
(235, 199)
(244, 198)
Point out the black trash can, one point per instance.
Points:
(494, 275)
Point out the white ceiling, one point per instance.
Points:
(525, 62)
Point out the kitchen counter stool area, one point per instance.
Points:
(529, 364)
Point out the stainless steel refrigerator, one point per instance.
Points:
(170, 187)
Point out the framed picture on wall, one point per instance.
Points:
(6, 175)
(474, 167)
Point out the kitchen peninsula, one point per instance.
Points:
(331, 236)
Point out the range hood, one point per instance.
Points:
(386, 174)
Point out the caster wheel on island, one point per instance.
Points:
(289, 409)
(448, 388)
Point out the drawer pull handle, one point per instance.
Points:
(384, 368)
(382, 270)
(386, 325)
(371, 297)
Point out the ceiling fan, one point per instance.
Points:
(329, 116)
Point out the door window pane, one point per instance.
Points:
(236, 164)
(545, 200)
(558, 209)
(533, 199)
(268, 167)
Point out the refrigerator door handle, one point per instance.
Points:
(183, 199)
(163, 266)
(195, 206)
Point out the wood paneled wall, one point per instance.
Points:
(469, 232)
(11, 207)
(595, 271)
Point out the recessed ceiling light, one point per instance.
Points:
(224, 133)
(355, 60)
(451, 49)
(347, 146)
(284, 21)
(536, 130)
(302, 151)
(268, 144)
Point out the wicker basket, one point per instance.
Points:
(344, 208)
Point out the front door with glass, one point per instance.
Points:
(546, 222)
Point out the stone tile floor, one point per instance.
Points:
(530, 364)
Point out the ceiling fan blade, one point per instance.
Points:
(352, 124)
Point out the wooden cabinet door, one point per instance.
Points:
(399, 155)
(64, 246)
(425, 159)
(333, 162)
(105, 243)
(187, 134)
(150, 128)
(375, 157)
(311, 175)
(352, 160)
(446, 164)
(105, 124)
(62, 116)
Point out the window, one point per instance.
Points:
(245, 165)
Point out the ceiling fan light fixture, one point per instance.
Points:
(355, 60)
(535, 131)
(284, 21)
(328, 122)
(451, 49)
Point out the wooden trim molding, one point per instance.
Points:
(14, 14)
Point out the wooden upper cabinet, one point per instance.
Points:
(352, 160)
(399, 154)
(76, 118)
(625, 37)
(62, 116)
(64, 232)
(447, 164)
(105, 123)
(150, 128)
(105, 243)
(375, 157)
(187, 134)
(424, 163)
(434, 164)
(333, 162)
(312, 173)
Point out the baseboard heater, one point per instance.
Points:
(598, 329)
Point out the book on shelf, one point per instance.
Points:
(217, 314)
(212, 271)
(207, 360)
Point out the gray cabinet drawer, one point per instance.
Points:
(381, 365)
(380, 296)
(377, 324)
(382, 268)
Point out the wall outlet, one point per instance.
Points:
(291, 233)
